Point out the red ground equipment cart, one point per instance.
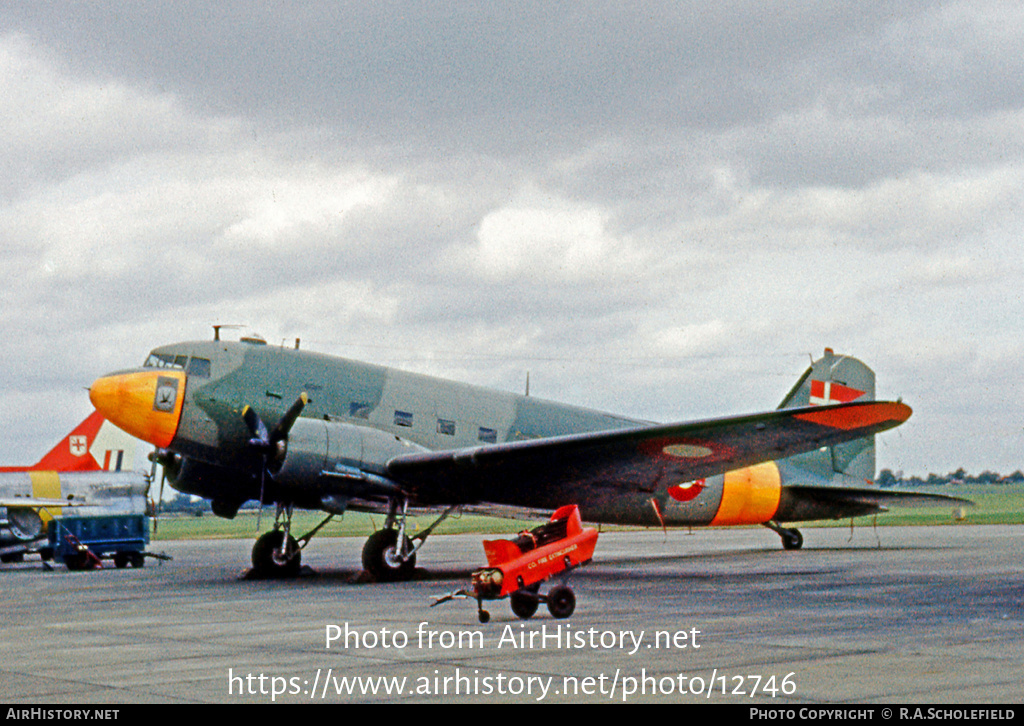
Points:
(516, 568)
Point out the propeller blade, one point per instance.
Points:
(256, 427)
(160, 500)
(289, 418)
(272, 446)
(153, 457)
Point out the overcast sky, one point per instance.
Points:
(659, 209)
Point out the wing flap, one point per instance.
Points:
(637, 459)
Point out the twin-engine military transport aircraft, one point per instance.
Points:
(237, 421)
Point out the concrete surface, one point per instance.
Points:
(893, 615)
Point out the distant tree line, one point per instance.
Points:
(887, 478)
(185, 504)
(189, 504)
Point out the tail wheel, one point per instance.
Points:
(561, 601)
(269, 559)
(792, 539)
(382, 559)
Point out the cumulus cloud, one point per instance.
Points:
(660, 210)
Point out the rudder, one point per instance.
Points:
(836, 379)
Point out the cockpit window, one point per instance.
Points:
(165, 360)
(199, 367)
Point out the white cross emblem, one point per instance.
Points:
(79, 445)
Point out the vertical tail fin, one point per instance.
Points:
(836, 379)
(93, 445)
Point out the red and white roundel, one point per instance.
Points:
(687, 492)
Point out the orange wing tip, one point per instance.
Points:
(848, 418)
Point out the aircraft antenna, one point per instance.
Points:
(216, 329)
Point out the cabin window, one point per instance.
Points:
(403, 418)
(446, 427)
(488, 436)
(358, 409)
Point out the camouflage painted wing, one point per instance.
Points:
(639, 459)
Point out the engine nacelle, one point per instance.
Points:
(317, 446)
(210, 482)
(319, 459)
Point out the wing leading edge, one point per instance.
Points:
(638, 459)
(36, 502)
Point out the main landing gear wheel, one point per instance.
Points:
(269, 560)
(791, 539)
(561, 601)
(382, 559)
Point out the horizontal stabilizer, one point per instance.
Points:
(801, 503)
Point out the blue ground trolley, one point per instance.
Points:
(82, 542)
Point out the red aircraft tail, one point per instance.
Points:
(74, 452)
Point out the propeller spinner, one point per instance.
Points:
(273, 444)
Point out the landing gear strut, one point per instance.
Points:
(389, 555)
(278, 554)
(271, 559)
(791, 537)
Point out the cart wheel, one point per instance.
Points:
(524, 604)
(561, 601)
(137, 559)
(76, 561)
(121, 560)
(484, 616)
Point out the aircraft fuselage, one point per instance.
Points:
(191, 398)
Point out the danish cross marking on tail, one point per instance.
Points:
(824, 393)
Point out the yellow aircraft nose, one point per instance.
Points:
(146, 404)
